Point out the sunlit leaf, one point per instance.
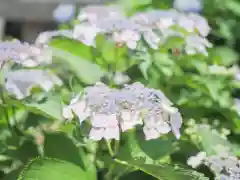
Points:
(54, 169)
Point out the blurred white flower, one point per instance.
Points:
(94, 13)
(195, 161)
(77, 106)
(44, 37)
(110, 110)
(120, 78)
(152, 39)
(21, 82)
(188, 5)
(25, 54)
(64, 12)
(86, 34)
(201, 24)
(128, 37)
(196, 44)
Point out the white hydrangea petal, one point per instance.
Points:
(104, 120)
(96, 134)
(67, 113)
(132, 44)
(86, 34)
(164, 128)
(150, 133)
(81, 111)
(176, 123)
(152, 39)
(25, 80)
(112, 133)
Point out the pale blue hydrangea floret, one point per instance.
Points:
(188, 5)
(111, 111)
(64, 12)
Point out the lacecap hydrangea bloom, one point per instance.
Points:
(20, 82)
(224, 165)
(111, 111)
(155, 27)
(24, 54)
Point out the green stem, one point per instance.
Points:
(110, 150)
(5, 111)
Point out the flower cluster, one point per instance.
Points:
(224, 165)
(156, 27)
(24, 54)
(21, 82)
(111, 111)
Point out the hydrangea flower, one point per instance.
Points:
(188, 5)
(111, 111)
(154, 26)
(44, 37)
(224, 165)
(196, 44)
(94, 13)
(21, 82)
(25, 54)
(64, 12)
(128, 37)
(86, 34)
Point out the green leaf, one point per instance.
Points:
(224, 55)
(156, 148)
(85, 70)
(144, 68)
(55, 147)
(13, 175)
(26, 151)
(51, 169)
(74, 47)
(51, 107)
(165, 172)
(107, 49)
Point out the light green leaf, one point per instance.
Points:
(224, 55)
(51, 169)
(74, 47)
(85, 70)
(50, 107)
(165, 172)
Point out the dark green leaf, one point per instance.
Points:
(165, 172)
(56, 145)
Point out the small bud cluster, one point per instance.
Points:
(156, 27)
(111, 111)
(25, 54)
(223, 165)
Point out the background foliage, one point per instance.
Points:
(36, 142)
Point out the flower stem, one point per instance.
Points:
(110, 150)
